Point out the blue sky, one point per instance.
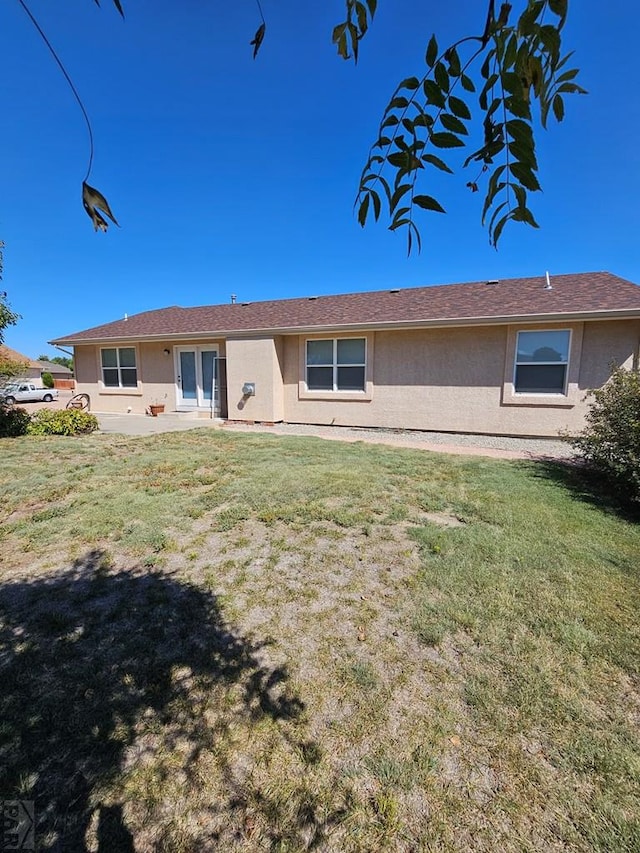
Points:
(234, 176)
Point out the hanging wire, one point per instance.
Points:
(68, 79)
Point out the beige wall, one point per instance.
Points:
(460, 380)
(452, 380)
(156, 377)
(256, 360)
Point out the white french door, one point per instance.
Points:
(197, 377)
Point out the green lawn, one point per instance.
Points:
(214, 641)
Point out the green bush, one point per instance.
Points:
(64, 422)
(47, 380)
(611, 440)
(14, 421)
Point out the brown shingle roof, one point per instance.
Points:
(588, 294)
(13, 355)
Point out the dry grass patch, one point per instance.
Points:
(243, 643)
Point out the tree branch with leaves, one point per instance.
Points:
(523, 78)
(502, 84)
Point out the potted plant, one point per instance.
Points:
(156, 409)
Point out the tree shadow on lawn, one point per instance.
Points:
(87, 658)
(586, 484)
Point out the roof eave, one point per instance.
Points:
(506, 319)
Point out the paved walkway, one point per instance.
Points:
(499, 447)
(470, 445)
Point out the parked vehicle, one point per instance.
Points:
(27, 392)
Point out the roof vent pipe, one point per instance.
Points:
(548, 285)
(126, 316)
(233, 299)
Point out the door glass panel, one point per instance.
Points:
(188, 375)
(208, 370)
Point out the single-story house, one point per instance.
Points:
(512, 357)
(33, 369)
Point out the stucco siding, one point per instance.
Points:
(607, 343)
(155, 373)
(461, 380)
(256, 360)
(447, 379)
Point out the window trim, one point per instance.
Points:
(566, 364)
(343, 396)
(335, 366)
(572, 396)
(119, 388)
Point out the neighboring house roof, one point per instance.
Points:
(31, 363)
(13, 355)
(53, 367)
(582, 295)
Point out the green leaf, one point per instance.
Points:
(373, 5)
(559, 8)
(511, 52)
(361, 12)
(423, 120)
(363, 210)
(437, 162)
(427, 202)
(512, 83)
(441, 77)
(467, 83)
(452, 123)
(409, 83)
(397, 195)
(355, 36)
(495, 215)
(434, 94)
(459, 108)
(558, 107)
(446, 140)
(494, 236)
(493, 188)
(410, 231)
(527, 21)
(525, 175)
(398, 103)
(523, 214)
(432, 52)
(454, 62)
(520, 131)
(517, 106)
(258, 38)
(523, 154)
(375, 198)
(390, 120)
(550, 38)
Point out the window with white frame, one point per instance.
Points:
(119, 367)
(336, 364)
(542, 359)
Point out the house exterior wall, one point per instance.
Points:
(258, 360)
(446, 379)
(461, 380)
(155, 373)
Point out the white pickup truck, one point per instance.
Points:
(27, 392)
